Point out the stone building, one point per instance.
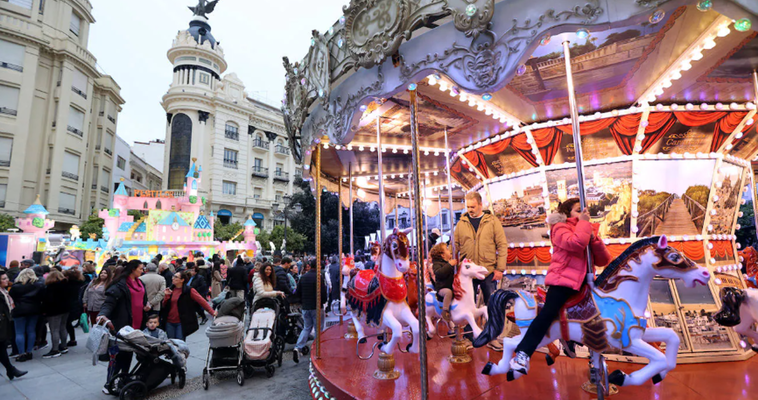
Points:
(58, 114)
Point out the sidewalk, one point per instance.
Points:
(73, 377)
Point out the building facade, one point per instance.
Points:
(239, 142)
(152, 152)
(58, 114)
(134, 171)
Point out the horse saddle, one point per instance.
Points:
(581, 308)
(364, 287)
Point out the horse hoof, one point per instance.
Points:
(550, 360)
(510, 376)
(487, 368)
(755, 348)
(428, 337)
(362, 340)
(617, 378)
(380, 337)
(657, 379)
(380, 346)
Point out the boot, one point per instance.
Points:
(16, 373)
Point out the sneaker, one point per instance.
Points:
(296, 356)
(63, 350)
(106, 391)
(22, 357)
(52, 354)
(204, 321)
(71, 343)
(520, 363)
(40, 346)
(495, 345)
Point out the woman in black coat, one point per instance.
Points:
(6, 306)
(55, 308)
(27, 294)
(76, 285)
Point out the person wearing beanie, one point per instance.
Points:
(155, 286)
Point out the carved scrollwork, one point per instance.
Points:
(373, 29)
(471, 16)
(650, 3)
(318, 66)
(294, 106)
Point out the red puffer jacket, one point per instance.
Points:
(570, 238)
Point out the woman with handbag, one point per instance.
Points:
(94, 295)
(6, 307)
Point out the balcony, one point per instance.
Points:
(12, 66)
(94, 186)
(101, 113)
(282, 150)
(104, 189)
(8, 111)
(79, 92)
(230, 163)
(299, 174)
(5, 163)
(69, 175)
(260, 143)
(280, 175)
(75, 131)
(66, 211)
(97, 148)
(113, 120)
(260, 172)
(232, 134)
(108, 151)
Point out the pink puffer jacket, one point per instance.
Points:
(570, 238)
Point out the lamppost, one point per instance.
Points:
(288, 208)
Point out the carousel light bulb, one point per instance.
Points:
(718, 269)
(371, 149)
(394, 151)
(405, 151)
(697, 55)
(647, 314)
(432, 80)
(326, 145)
(743, 344)
(479, 107)
(436, 153)
(719, 106)
(443, 86)
(686, 66)
(729, 146)
(523, 272)
(361, 148)
(463, 97)
(344, 179)
(749, 121)
(665, 84)
(712, 260)
(513, 272)
(717, 281)
(709, 43)
(337, 147)
(350, 147)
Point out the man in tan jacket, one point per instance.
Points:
(155, 285)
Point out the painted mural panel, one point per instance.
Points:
(685, 139)
(609, 195)
(665, 313)
(519, 205)
(673, 196)
(600, 144)
(698, 307)
(746, 146)
(728, 187)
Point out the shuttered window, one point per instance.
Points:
(22, 3)
(3, 191)
(11, 56)
(76, 120)
(76, 24)
(70, 163)
(8, 100)
(6, 146)
(79, 83)
(67, 201)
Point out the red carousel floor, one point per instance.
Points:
(347, 377)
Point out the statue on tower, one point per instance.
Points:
(203, 8)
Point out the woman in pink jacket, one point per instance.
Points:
(570, 233)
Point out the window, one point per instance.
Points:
(76, 23)
(232, 131)
(94, 177)
(206, 62)
(6, 146)
(79, 84)
(11, 56)
(67, 204)
(257, 193)
(229, 188)
(22, 3)
(70, 166)
(205, 78)
(279, 168)
(230, 158)
(120, 163)
(186, 58)
(105, 181)
(8, 100)
(279, 197)
(3, 190)
(76, 121)
(258, 162)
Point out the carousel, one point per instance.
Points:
(642, 109)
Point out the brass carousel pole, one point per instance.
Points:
(352, 333)
(339, 242)
(426, 225)
(317, 174)
(449, 193)
(381, 177)
(420, 277)
(596, 384)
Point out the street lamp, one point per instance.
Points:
(288, 208)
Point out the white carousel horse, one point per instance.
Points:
(381, 295)
(463, 308)
(611, 313)
(739, 310)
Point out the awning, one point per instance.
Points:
(224, 213)
(257, 216)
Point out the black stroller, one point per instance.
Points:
(156, 361)
(264, 344)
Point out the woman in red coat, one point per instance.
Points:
(570, 233)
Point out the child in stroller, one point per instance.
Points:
(156, 360)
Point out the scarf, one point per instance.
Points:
(8, 299)
(138, 295)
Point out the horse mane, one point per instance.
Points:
(457, 288)
(621, 261)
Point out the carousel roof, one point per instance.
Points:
(669, 81)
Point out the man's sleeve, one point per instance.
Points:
(501, 243)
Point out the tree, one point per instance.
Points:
(93, 225)
(746, 235)
(295, 241)
(6, 222)
(225, 233)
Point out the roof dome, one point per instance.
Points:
(201, 31)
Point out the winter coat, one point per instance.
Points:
(56, 301)
(28, 299)
(94, 297)
(199, 284)
(486, 246)
(155, 287)
(262, 290)
(306, 291)
(216, 284)
(75, 301)
(237, 278)
(282, 281)
(117, 306)
(444, 274)
(186, 308)
(6, 327)
(570, 238)
(168, 276)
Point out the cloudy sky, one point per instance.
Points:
(130, 40)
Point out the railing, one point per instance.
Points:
(101, 113)
(260, 143)
(104, 189)
(12, 66)
(648, 221)
(298, 174)
(69, 175)
(230, 163)
(5, 163)
(48, 171)
(8, 111)
(696, 210)
(108, 151)
(75, 131)
(2, 204)
(54, 123)
(97, 147)
(94, 186)
(282, 150)
(66, 211)
(256, 196)
(79, 92)
(281, 176)
(113, 120)
(232, 134)
(260, 172)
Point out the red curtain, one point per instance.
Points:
(549, 142)
(589, 127)
(496, 148)
(658, 125)
(477, 159)
(624, 131)
(524, 149)
(725, 127)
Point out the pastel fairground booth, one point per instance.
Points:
(435, 99)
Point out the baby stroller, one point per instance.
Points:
(156, 360)
(264, 346)
(225, 341)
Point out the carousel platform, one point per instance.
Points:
(340, 373)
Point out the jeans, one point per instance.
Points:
(174, 331)
(26, 332)
(58, 332)
(309, 319)
(487, 285)
(555, 299)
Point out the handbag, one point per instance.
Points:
(98, 339)
(83, 323)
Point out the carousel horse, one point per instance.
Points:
(463, 308)
(412, 284)
(381, 294)
(749, 257)
(739, 310)
(611, 313)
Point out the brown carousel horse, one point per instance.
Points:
(750, 259)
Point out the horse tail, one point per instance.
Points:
(496, 316)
